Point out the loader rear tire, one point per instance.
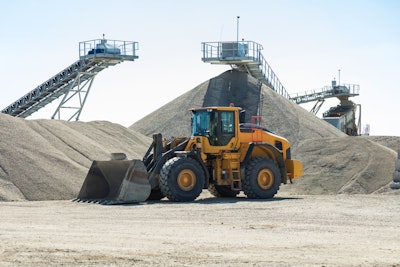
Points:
(395, 185)
(222, 191)
(262, 179)
(181, 179)
(396, 176)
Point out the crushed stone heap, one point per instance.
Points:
(49, 159)
(333, 162)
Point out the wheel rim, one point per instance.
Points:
(186, 180)
(265, 179)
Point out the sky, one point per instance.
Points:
(305, 42)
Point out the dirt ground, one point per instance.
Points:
(318, 230)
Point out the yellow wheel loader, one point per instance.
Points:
(223, 154)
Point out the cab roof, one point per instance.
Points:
(216, 108)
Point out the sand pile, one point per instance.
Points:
(279, 114)
(344, 165)
(333, 162)
(49, 159)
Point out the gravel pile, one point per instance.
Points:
(333, 162)
(49, 159)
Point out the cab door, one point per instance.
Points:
(222, 128)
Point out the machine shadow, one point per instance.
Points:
(216, 200)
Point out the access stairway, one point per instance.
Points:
(74, 82)
(244, 56)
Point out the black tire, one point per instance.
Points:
(262, 178)
(155, 194)
(181, 179)
(222, 191)
(397, 166)
(396, 176)
(395, 185)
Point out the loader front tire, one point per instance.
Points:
(262, 178)
(181, 179)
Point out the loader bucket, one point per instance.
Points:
(115, 182)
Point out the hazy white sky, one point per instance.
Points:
(305, 42)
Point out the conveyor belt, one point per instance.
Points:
(343, 90)
(92, 61)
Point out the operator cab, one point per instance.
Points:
(218, 125)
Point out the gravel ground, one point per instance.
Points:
(319, 230)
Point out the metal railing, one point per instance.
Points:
(243, 53)
(230, 50)
(271, 77)
(326, 92)
(106, 47)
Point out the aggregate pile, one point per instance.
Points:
(333, 162)
(49, 159)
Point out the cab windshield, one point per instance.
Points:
(201, 123)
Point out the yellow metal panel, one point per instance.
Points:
(294, 168)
